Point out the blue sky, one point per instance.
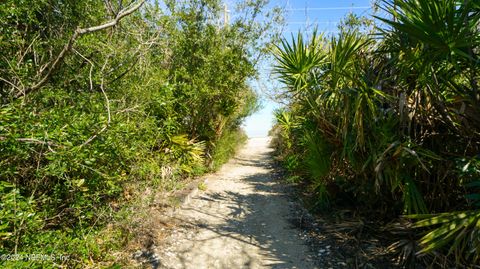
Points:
(300, 15)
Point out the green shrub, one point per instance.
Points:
(226, 147)
(84, 117)
(389, 121)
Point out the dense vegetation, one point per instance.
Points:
(99, 96)
(390, 123)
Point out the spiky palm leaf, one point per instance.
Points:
(296, 60)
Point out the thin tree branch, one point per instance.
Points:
(33, 141)
(108, 110)
(10, 83)
(91, 68)
(67, 48)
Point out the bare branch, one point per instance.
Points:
(91, 68)
(113, 22)
(27, 50)
(107, 101)
(10, 83)
(32, 141)
(66, 49)
(129, 109)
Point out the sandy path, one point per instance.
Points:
(240, 221)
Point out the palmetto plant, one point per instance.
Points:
(396, 114)
(458, 231)
(186, 152)
(297, 61)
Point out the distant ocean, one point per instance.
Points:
(261, 122)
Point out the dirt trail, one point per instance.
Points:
(241, 220)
